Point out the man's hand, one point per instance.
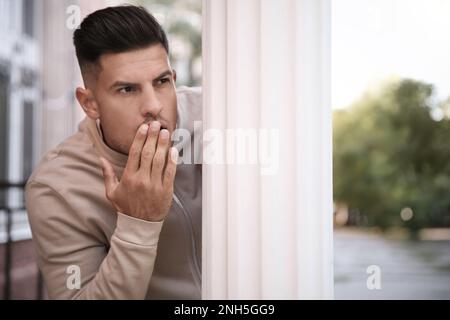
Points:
(146, 187)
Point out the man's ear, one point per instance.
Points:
(86, 100)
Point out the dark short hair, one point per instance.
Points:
(115, 30)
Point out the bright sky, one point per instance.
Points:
(375, 39)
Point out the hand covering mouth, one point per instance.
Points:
(163, 123)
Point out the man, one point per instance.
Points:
(100, 204)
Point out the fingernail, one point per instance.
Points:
(164, 134)
(174, 154)
(155, 125)
(144, 128)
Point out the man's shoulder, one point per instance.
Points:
(70, 158)
(190, 92)
(190, 102)
(65, 177)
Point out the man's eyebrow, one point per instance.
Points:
(130, 84)
(162, 75)
(122, 84)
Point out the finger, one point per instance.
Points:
(171, 167)
(148, 151)
(134, 155)
(111, 180)
(160, 156)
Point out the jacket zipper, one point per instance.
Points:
(191, 231)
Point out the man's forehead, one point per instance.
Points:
(151, 61)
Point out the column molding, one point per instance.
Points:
(267, 67)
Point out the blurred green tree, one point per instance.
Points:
(181, 19)
(390, 154)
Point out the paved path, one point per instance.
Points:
(409, 269)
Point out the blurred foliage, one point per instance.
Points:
(181, 19)
(389, 153)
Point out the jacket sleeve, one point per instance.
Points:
(68, 252)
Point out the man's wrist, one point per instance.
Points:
(137, 231)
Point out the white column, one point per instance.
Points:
(267, 227)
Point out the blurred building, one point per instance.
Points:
(38, 76)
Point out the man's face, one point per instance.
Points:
(132, 88)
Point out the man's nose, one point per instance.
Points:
(150, 104)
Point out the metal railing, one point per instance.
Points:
(8, 254)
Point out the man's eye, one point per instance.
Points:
(163, 81)
(126, 89)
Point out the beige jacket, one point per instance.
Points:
(75, 228)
